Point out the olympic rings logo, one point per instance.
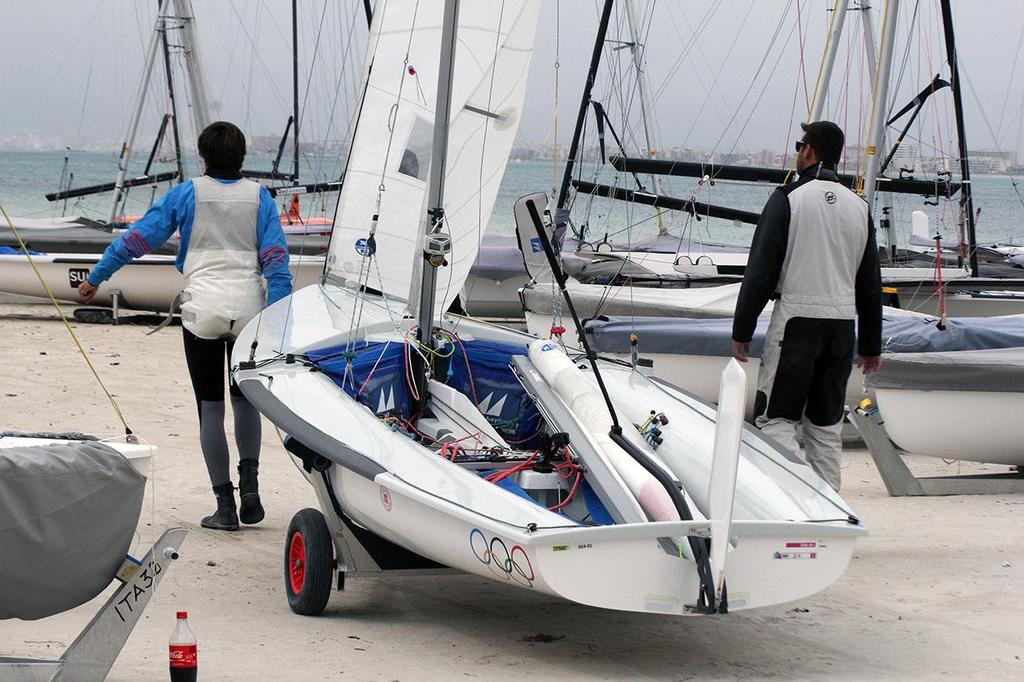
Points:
(510, 564)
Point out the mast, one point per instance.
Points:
(436, 243)
(133, 127)
(966, 200)
(174, 106)
(870, 49)
(640, 65)
(885, 222)
(881, 96)
(196, 76)
(295, 88)
(828, 66)
(581, 116)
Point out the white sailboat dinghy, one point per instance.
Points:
(437, 440)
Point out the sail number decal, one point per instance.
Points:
(143, 582)
(76, 276)
(508, 563)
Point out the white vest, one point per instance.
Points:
(223, 283)
(828, 232)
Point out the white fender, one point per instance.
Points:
(586, 403)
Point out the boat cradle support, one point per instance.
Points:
(900, 481)
(94, 651)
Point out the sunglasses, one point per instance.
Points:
(800, 144)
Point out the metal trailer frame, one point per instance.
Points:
(899, 480)
(94, 651)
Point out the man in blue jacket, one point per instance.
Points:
(230, 242)
(814, 253)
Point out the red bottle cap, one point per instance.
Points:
(182, 614)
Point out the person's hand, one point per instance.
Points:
(740, 349)
(869, 364)
(86, 292)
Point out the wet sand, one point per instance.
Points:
(934, 592)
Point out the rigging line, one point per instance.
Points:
(309, 77)
(912, 25)
(685, 52)
(801, 41)
(398, 98)
(1013, 72)
(323, 154)
(247, 120)
(67, 325)
(232, 47)
(708, 92)
(73, 50)
(984, 117)
(764, 88)
(340, 77)
(553, 130)
(757, 74)
(483, 145)
(258, 58)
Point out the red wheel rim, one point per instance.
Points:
(296, 562)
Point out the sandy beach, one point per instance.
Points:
(934, 592)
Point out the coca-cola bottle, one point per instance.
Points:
(183, 658)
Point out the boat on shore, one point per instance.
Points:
(434, 439)
(955, 405)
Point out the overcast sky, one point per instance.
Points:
(723, 74)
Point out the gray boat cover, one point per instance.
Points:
(499, 258)
(999, 370)
(683, 336)
(67, 515)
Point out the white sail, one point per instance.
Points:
(391, 146)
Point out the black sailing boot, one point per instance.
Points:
(251, 510)
(225, 518)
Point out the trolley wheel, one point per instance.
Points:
(308, 563)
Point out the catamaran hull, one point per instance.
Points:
(147, 283)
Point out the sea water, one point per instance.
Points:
(25, 177)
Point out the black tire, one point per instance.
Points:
(308, 563)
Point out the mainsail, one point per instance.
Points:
(390, 156)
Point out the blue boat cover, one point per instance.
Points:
(900, 334)
(377, 376)
(494, 388)
(478, 369)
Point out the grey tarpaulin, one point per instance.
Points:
(499, 258)
(683, 336)
(675, 335)
(999, 370)
(67, 517)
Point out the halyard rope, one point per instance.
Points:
(24, 247)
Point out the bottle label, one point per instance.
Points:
(183, 655)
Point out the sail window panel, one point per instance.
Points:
(415, 160)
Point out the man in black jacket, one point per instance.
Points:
(814, 254)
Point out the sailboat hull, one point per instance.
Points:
(407, 494)
(955, 404)
(977, 426)
(147, 283)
